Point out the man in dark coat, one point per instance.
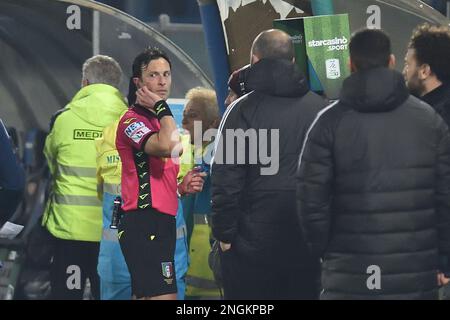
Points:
(253, 180)
(373, 188)
(427, 67)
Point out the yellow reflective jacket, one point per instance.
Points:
(73, 211)
(109, 165)
(200, 281)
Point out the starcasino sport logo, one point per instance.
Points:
(336, 44)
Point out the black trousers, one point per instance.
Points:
(73, 262)
(247, 280)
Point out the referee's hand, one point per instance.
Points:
(147, 98)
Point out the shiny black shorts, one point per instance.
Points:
(147, 239)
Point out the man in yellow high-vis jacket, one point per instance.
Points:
(74, 213)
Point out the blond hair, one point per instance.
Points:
(206, 99)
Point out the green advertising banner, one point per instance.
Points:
(321, 48)
(294, 27)
(327, 39)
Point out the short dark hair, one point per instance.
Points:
(432, 47)
(141, 62)
(370, 48)
(143, 59)
(273, 44)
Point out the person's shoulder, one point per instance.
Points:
(4, 135)
(57, 115)
(446, 97)
(331, 109)
(425, 113)
(3, 127)
(244, 99)
(314, 100)
(239, 105)
(330, 115)
(130, 117)
(126, 119)
(416, 103)
(131, 112)
(133, 121)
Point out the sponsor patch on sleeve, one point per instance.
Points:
(136, 131)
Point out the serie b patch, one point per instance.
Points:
(136, 131)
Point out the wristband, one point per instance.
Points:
(162, 109)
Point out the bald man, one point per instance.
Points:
(263, 255)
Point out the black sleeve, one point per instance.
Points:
(228, 177)
(443, 195)
(314, 184)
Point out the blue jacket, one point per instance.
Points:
(12, 177)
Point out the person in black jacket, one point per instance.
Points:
(12, 177)
(253, 185)
(427, 67)
(373, 188)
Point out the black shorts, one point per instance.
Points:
(147, 239)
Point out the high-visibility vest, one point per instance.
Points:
(200, 281)
(111, 265)
(73, 211)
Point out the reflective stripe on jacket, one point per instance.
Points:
(73, 211)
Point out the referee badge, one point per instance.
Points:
(167, 271)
